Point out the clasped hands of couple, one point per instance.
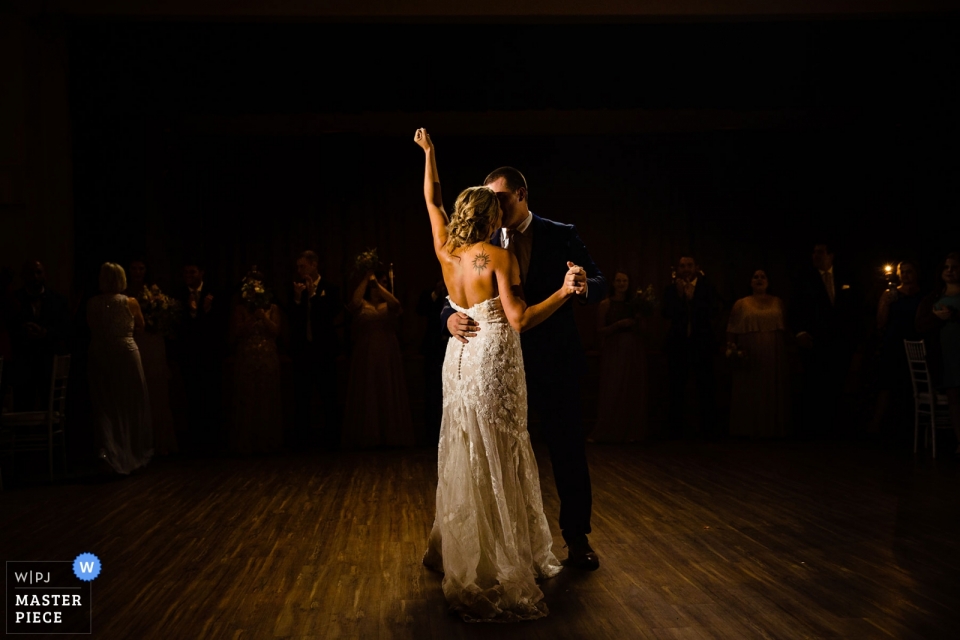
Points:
(462, 326)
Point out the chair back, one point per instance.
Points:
(919, 372)
(58, 384)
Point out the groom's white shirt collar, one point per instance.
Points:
(522, 227)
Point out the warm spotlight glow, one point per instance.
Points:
(888, 268)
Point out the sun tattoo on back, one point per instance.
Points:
(481, 261)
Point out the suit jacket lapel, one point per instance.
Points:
(538, 229)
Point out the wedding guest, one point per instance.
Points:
(118, 390)
(152, 343)
(199, 352)
(622, 401)
(40, 326)
(136, 278)
(257, 412)
(826, 316)
(314, 346)
(938, 319)
(896, 322)
(755, 344)
(433, 348)
(377, 408)
(692, 305)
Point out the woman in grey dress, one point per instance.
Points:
(118, 390)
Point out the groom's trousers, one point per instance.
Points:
(554, 394)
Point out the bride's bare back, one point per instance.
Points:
(474, 270)
(471, 273)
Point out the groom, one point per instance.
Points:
(553, 357)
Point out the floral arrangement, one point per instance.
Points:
(366, 261)
(254, 294)
(645, 302)
(161, 313)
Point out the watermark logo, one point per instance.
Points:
(51, 596)
(86, 566)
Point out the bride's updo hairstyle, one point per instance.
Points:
(476, 215)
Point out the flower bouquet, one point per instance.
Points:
(254, 294)
(645, 302)
(366, 261)
(161, 313)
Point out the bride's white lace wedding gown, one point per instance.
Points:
(490, 537)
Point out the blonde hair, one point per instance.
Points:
(476, 215)
(113, 279)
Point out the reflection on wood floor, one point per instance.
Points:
(696, 540)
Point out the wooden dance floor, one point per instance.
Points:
(696, 540)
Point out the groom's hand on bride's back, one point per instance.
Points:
(461, 326)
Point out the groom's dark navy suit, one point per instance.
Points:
(554, 361)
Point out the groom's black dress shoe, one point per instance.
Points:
(581, 556)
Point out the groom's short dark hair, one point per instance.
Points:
(513, 178)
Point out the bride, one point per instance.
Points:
(490, 537)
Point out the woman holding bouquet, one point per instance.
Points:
(159, 312)
(758, 406)
(377, 409)
(622, 400)
(258, 415)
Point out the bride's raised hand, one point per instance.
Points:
(422, 138)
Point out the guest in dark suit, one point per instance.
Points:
(433, 348)
(553, 355)
(692, 305)
(199, 351)
(314, 346)
(40, 328)
(827, 310)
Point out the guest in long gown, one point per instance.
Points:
(896, 316)
(758, 406)
(377, 408)
(258, 414)
(153, 356)
(622, 401)
(118, 390)
(938, 319)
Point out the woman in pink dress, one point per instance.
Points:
(758, 406)
(622, 399)
(377, 408)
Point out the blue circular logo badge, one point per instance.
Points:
(86, 566)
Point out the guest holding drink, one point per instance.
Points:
(758, 406)
(896, 317)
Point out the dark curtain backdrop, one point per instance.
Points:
(738, 200)
(165, 170)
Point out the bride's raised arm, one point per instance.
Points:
(431, 190)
